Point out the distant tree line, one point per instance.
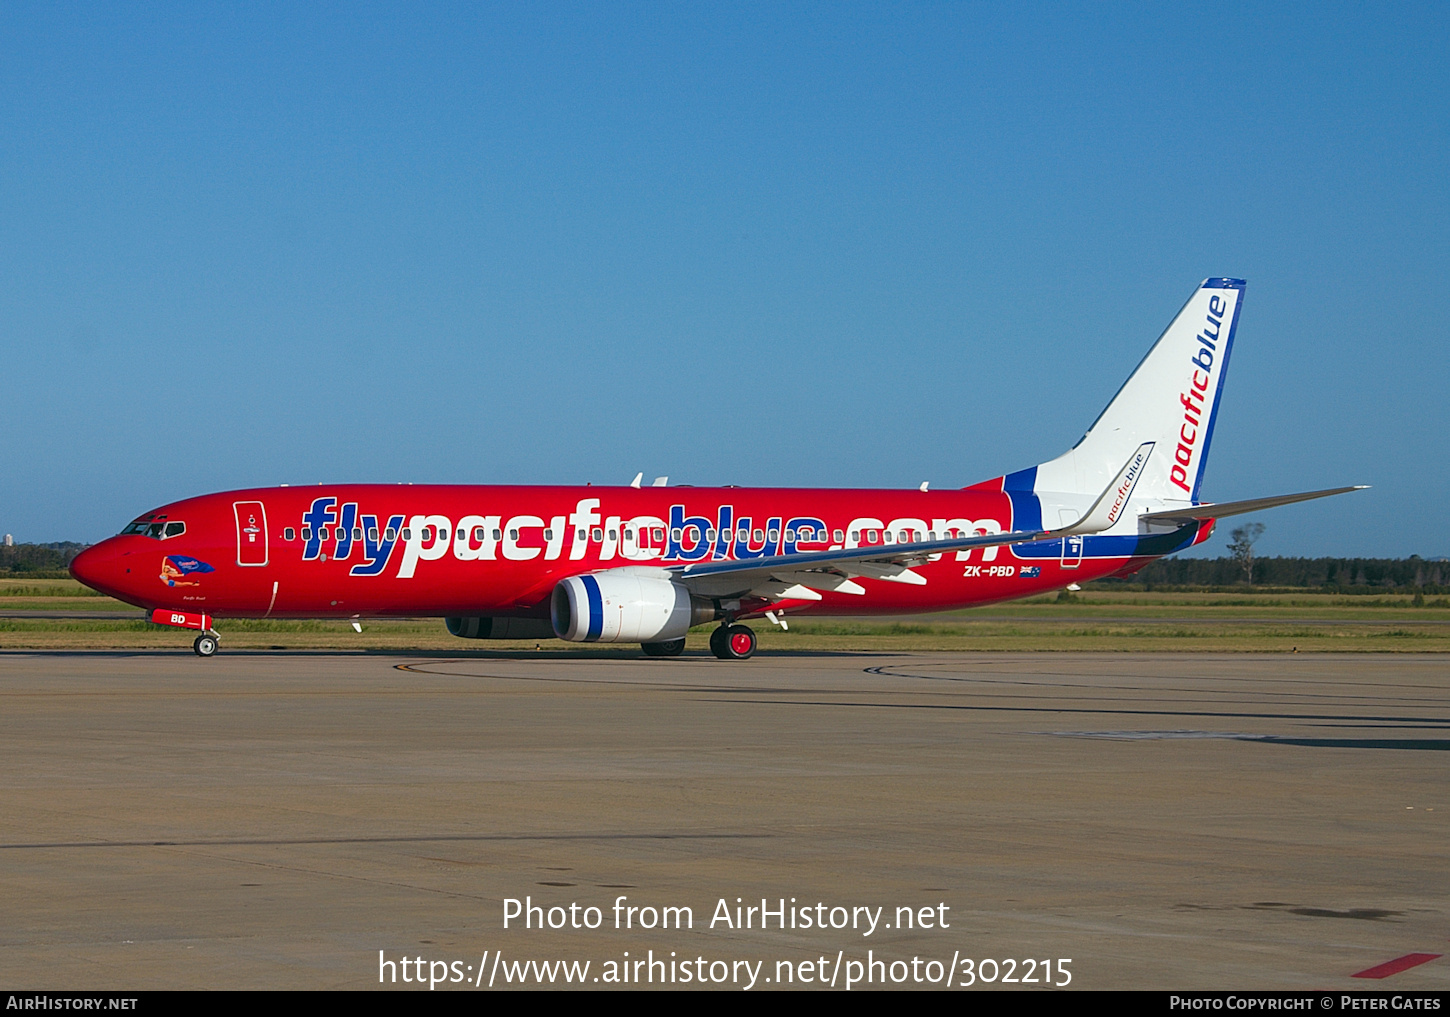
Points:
(31, 558)
(1329, 575)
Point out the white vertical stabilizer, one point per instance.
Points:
(1171, 401)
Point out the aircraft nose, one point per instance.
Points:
(86, 567)
(99, 567)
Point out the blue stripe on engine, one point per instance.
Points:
(596, 608)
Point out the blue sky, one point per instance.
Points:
(818, 245)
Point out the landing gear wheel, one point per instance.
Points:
(732, 642)
(205, 645)
(673, 648)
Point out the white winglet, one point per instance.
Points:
(1108, 509)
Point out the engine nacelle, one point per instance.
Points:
(626, 605)
(500, 628)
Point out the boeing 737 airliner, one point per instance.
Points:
(644, 564)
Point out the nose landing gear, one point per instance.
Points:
(206, 643)
(732, 642)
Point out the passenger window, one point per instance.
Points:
(628, 534)
(390, 534)
(373, 534)
(710, 536)
(583, 536)
(497, 535)
(759, 535)
(659, 535)
(289, 534)
(693, 533)
(885, 536)
(855, 535)
(426, 535)
(306, 533)
(407, 533)
(513, 534)
(676, 535)
(774, 535)
(790, 534)
(599, 534)
(841, 537)
(870, 536)
(612, 534)
(548, 534)
(478, 534)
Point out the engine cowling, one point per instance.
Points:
(500, 628)
(625, 606)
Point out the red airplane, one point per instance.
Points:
(644, 564)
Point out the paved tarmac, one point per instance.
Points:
(274, 820)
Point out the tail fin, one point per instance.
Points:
(1171, 400)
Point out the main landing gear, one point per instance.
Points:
(673, 648)
(732, 642)
(205, 645)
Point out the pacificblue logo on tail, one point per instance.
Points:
(1193, 400)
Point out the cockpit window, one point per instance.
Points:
(158, 529)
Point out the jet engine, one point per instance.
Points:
(500, 628)
(626, 605)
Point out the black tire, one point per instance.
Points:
(733, 642)
(673, 648)
(205, 645)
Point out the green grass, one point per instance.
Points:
(1094, 620)
(46, 588)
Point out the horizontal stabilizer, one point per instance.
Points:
(1238, 508)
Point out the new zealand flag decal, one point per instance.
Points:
(1031, 572)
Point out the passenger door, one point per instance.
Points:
(251, 532)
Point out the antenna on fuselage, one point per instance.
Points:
(637, 478)
(660, 482)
